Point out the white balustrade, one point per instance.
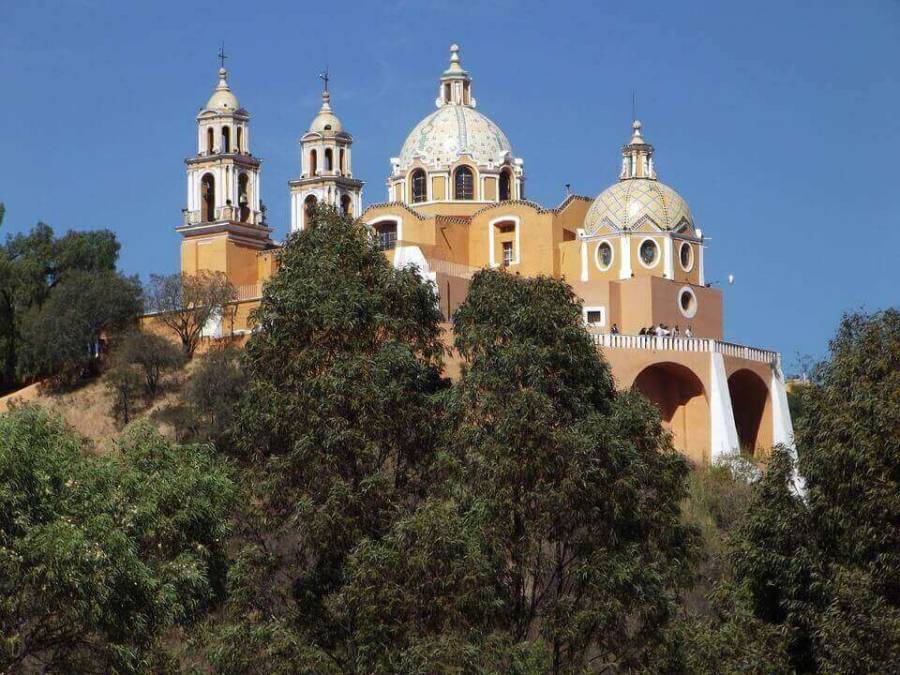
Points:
(684, 344)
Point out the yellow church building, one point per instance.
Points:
(456, 204)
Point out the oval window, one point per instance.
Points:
(687, 302)
(686, 254)
(604, 255)
(648, 252)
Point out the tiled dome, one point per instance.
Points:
(452, 131)
(628, 202)
(223, 99)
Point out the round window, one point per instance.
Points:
(648, 252)
(687, 302)
(686, 254)
(604, 255)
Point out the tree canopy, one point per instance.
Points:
(99, 555)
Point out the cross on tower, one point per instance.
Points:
(222, 56)
(324, 77)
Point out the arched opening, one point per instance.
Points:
(309, 207)
(419, 191)
(463, 183)
(447, 92)
(208, 197)
(240, 140)
(749, 396)
(329, 160)
(210, 140)
(505, 186)
(386, 232)
(226, 139)
(244, 197)
(342, 162)
(683, 408)
(346, 205)
(313, 163)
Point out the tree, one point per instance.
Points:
(826, 569)
(186, 304)
(154, 355)
(579, 484)
(207, 406)
(123, 382)
(61, 337)
(31, 266)
(100, 555)
(337, 428)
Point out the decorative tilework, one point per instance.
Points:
(631, 202)
(451, 131)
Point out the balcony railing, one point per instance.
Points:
(231, 213)
(248, 292)
(685, 344)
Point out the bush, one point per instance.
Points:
(154, 355)
(123, 381)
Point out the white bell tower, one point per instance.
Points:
(326, 175)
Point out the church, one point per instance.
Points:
(456, 203)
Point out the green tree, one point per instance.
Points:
(32, 265)
(61, 337)
(187, 303)
(123, 382)
(153, 354)
(579, 483)
(100, 556)
(826, 568)
(337, 426)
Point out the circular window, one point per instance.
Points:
(687, 302)
(648, 252)
(604, 255)
(686, 255)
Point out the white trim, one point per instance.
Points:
(668, 262)
(625, 268)
(584, 261)
(723, 432)
(517, 259)
(686, 268)
(596, 308)
(655, 259)
(612, 258)
(691, 311)
(702, 279)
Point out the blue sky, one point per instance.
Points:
(777, 121)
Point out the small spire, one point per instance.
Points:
(455, 68)
(636, 133)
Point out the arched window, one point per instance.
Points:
(210, 140)
(419, 191)
(329, 159)
(505, 186)
(226, 139)
(447, 92)
(208, 197)
(313, 168)
(464, 184)
(240, 140)
(342, 166)
(309, 206)
(244, 197)
(387, 234)
(346, 205)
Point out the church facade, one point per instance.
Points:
(456, 203)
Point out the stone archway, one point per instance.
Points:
(749, 398)
(683, 406)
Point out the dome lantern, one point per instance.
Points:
(637, 156)
(456, 85)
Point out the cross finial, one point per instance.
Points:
(324, 77)
(222, 55)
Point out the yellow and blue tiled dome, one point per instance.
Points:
(638, 198)
(633, 201)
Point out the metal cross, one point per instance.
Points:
(222, 56)
(324, 77)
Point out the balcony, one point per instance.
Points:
(224, 213)
(686, 344)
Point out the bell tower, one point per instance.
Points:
(224, 224)
(326, 170)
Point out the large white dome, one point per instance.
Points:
(629, 202)
(452, 131)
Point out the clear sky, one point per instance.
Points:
(779, 122)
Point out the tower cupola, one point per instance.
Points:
(637, 156)
(326, 170)
(456, 85)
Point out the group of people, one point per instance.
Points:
(660, 330)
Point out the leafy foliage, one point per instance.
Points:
(153, 354)
(75, 276)
(100, 555)
(186, 303)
